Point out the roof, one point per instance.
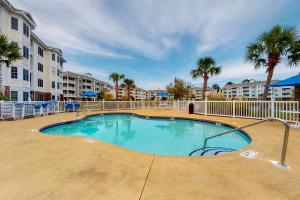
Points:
(26, 15)
(292, 81)
(247, 84)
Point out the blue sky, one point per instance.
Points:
(153, 41)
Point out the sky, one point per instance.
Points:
(154, 41)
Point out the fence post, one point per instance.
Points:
(130, 104)
(205, 106)
(103, 103)
(272, 107)
(233, 108)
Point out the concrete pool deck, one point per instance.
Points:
(39, 166)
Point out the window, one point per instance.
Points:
(53, 97)
(14, 73)
(53, 57)
(25, 30)
(58, 59)
(40, 51)
(53, 84)
(58, 85)
(14, 23)
(14, 95)
(58, 72)
(30, 77)
(25, 52)
(53, 71)
(25, 75)
(40, 83)
(25, 96)
(40, 67)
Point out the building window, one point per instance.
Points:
(53, 97)
(58, 59)
(25, 52)
(25, 75)
(58, 85)
(58, 72)
(53, 84)
(53, 71)
(14, 95)
(40, 67)
(40, 51)
(30, 77)
(14, 23)
(25, 30)
(40, 83)
(14, 72)
(25, 96)
(53, 57)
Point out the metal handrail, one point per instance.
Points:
(285, 140)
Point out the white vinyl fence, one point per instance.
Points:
(286, 110)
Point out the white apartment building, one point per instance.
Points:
(157, 94)
(253, 90)
(28, 78)
(197, 92)
(74, 84)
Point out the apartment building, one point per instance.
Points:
(253, 90)
(28, 78)
(74, 84)
(197, 92)
(137, 94)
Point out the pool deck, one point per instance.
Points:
(36, 166)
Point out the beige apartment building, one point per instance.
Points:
(29, 78)
(74, 84)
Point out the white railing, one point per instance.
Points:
(285, 110)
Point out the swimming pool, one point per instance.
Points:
(163, 136)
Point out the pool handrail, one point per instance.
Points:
(285, 140)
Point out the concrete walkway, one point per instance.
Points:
(38, 166)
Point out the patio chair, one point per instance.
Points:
(12, 110)
(69, 106)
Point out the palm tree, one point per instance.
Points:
(116, 77)
(206, 67)
(128, 84)
(229, 83)
(9, 52)
(216, 87)
(271, 48)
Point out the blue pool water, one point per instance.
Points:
(162, 136)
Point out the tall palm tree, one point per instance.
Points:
(128, 84)
(206, 68)
(9, 52)
(116, 77)
(273, 47)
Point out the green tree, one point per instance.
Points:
(9, 52)
(229, 83)
(116, 77)
(206, 68)
(216, 87)
(179, 88)
(128, 84)
(246, 81)
(278, 45)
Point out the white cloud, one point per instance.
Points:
(144, 27)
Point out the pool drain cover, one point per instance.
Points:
(249, 154)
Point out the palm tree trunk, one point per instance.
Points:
(269, 79)
(204, 87)
(128, 93)
(117, 90)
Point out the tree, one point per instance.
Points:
(116, 77)
(278, 45)
(9, 52)
(206, 68)
(108, 96)
(101, 94)
(179, 89)
(128, 84)
(216, 87)
(229, 83)
(246, 81)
